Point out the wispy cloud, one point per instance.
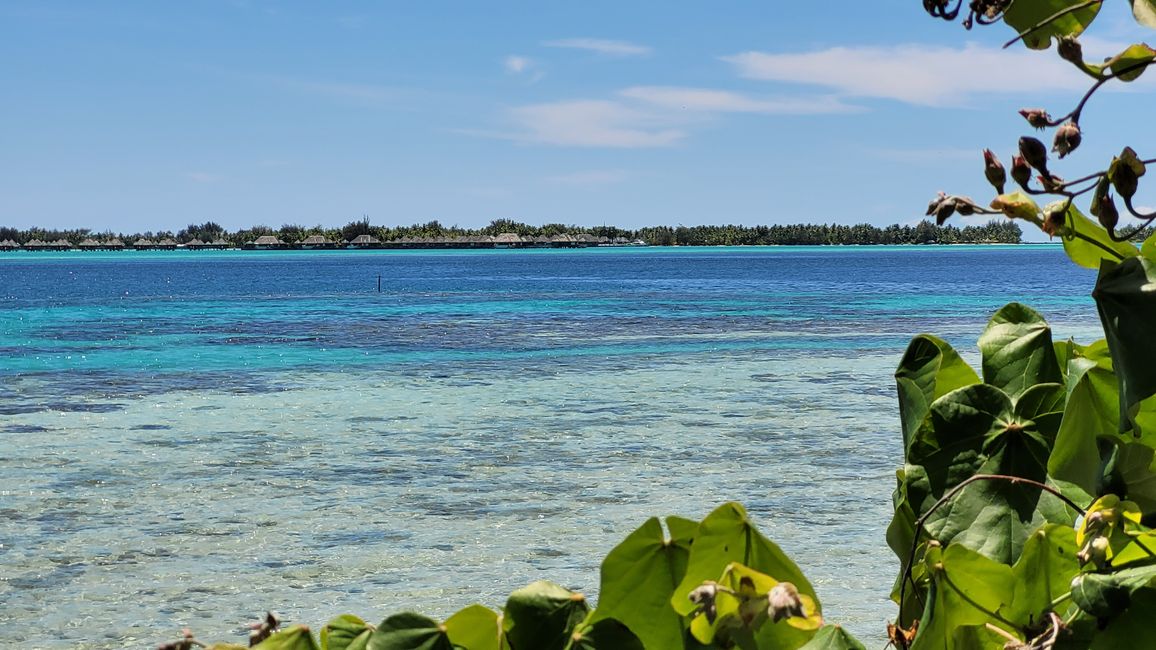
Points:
(925, 75)
(517, 64)
(592, 123)
(590, 177)
(601, 46)
(722, 101)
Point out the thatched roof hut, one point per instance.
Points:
(507, 240)
(143, 244)
(316, 241)
(89, 244)
(8, 245)
(365, 241)
(220, 243)
(168, 244)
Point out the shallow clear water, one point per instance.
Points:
(188, 439)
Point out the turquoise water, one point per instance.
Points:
(188, 439)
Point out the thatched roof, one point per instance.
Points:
(267, 240)
(194, 242)
(143, 242)
(221, 242)
(89, 243)
(314, 240)
(114, 243)
(366, 239)
(167, 242)
(507, 238)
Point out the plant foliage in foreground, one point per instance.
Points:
(1025, 504)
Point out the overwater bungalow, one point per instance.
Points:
(143, 244)
(365, 241)
(89, 244)
(8, 245)
(167, 244)
(58, 245)
(218, 244)
(266, 242)
(507, 240)
(315, 242)
(194, 244)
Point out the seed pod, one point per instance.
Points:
(1067, 139)
(704, 596)
(1107, 213)
(1070, 50)
(1035, 153)
(994, 171)
(1037, 117)
(784, 602)
(1125, 181)
(1021, 172)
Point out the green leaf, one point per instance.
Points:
(1044, 405)
(1144, 11)
(346, 632)
(1129, 628)
(1079, 229)
(1092, 410)
(1127, 65)
(542, 615)
(1043, 573)
(968, 590)
(725, 536)
(409, 631)
(297, 637)
(1025, 14)
(974, 430)
(1107, 594)
(1017, 350)
(607, 634)
(1126, 299)
(639, 577)
(1129, 474)
(475, 627)
(833, 637)
(930, 369)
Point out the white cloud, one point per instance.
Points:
(926, 75)
(592, 123)
(591, 177)
(601, 46)
(722, 101)
(517, 64)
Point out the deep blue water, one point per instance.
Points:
(189, 437)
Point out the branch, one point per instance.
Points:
(1051, 19)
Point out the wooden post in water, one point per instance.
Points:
(379, 283)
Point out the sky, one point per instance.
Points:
(135, 116)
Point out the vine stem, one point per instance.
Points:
(951, 494)
(1051, 19)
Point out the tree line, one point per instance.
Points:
(926, 232)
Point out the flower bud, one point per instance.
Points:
(1054, 218)
(1021, 172)
(994, 171)
(1125, 181)
(1096, 551)
(1035, 153)
(1067, 139)
(1037, 117)
(1070, 50)
(1051, 183)
(1107, 213)
(784, 602)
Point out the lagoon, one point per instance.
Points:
(190, 438)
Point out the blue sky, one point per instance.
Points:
(137, 116)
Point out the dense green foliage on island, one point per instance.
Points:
(1003, 231)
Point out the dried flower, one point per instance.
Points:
(1067, 139)
(1070, 50)
(784, 602)
(704, 596)
(1037, 117)
(1021, 171)
(1035, 153)
(1107, 213)
(1054, 218)
(994, 171)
